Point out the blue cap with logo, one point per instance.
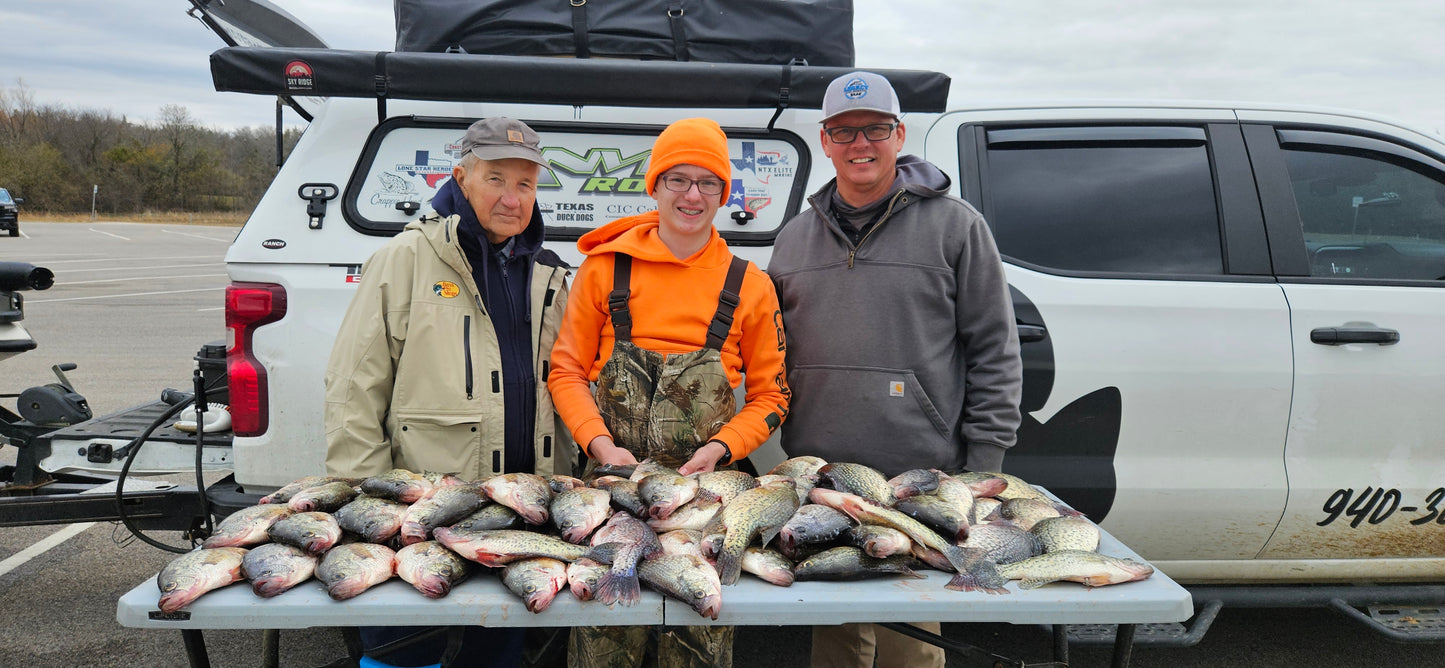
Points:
(856, 91)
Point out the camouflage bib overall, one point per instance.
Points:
(666, 406)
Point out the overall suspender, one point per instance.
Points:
(722, 320)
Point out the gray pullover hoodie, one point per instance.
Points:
(902, 349)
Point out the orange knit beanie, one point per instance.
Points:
(691, 141)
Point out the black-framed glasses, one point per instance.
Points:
(874, 132)
(680, 184)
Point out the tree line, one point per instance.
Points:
(53, 156)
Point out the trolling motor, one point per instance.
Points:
(54, 404)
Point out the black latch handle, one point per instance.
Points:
(1335, 336)
(316, 196)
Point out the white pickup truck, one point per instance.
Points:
(1232, 315)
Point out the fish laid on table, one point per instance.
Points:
(798, 466)
(681, 541)
(274, 568)
(1067, 532)
(247, 526)
(442, 506)
(624, 494)
(499, 547)
(398, 485)
(578, 512)
(914, 482)
(1003, 541)
(769, 565)
(431, 568)
(938, 514)
(284, 494)
(526, 493)
(813, 523)
(864, 481)
(488, 517)
(348, 570)
(755, 514)
(695, 515)
(723, 485)
(1016, 488)
(1089, 568)
(687, 578)
(850, 563)
(375, 519)
(648, 467)
(536, 581)
(1026, 511)
(197, 572)
(665, 492)
(561, 483)
(803, 483)
(983, 485)
(583, 576)
(313, 532)
(325, 498)
(879, 542)
(631, 541)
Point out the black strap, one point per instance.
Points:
(579, 28)
(679, 37)
(727, 302)
(785, 90)
(617, 299)
(380, 80)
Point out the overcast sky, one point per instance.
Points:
(1386, 57)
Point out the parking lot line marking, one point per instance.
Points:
(217, 263)
(130, 294)
(198, 236)
(141, 278)
(213, 308)
(109, 234)
(19, 558)
(128, 259)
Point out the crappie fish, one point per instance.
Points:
(914, 482)
(1025, 511)
(247, 526)
(499, 547)
(583, 576)
(536, 580)
(666, 492)
(375, 519)
(1089, 568)
(799, 466)
(431, 568)
(488, 517)
(757, 513)
(348, 570)
(648, 467)
(681, 541)
(634, 541)
(313, 532)
(561, 483)
(982, 485)
(984, 507)
(938, 514)
(687, 578)
(694, 515)
(1015, 489)
(442, 506)
(624, 494)
(974, 570)
(1067, 532)
(197, 572)
(398, 485)
(273, 568)
(864, 481)
(813, 523)
(322, 499)
(769, 565)
(879, 542)
(1003, 541)
(578, 512)
(723, 485)
(284, 494)
(526, 493)
(958, 494)
(803, 483)
(849, 563)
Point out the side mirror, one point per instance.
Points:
(19, 200)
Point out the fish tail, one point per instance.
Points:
(618, 587)
(979, 575)
(730, 563)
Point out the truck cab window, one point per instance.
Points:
(1367, 215)
(1142, 205)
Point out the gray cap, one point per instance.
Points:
(860, 91)
(499, 137)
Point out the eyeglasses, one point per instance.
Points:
(875, 132)
(681, 184)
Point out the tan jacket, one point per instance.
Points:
(398, 391)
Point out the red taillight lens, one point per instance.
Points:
(249, 306)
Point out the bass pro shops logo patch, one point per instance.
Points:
(446, 289)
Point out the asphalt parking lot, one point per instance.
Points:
(133, 303)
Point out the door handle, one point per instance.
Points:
(1031, 333)
(1334, 336)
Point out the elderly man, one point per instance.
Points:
(438, 364)
(902, 349)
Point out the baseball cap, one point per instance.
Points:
(860, 91)
(499, 137)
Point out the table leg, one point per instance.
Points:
(1061, 643)
(195, 648)
(271, 648)
(1123, 645)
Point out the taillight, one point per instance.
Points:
(249, 306)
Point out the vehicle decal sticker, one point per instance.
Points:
(299, 76)
(274, 244)
(1376, 505)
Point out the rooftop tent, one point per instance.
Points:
(541, 80)
(254, 23)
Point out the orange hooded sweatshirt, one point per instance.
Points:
(672, 303)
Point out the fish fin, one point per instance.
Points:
(604, 553)
(1034, 583)
(618, 588)
(909, 572)
(768, 534)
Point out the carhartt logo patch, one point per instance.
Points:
(895, 388)
(515, 136)
(446, 289)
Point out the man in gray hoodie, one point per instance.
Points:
(902, 349)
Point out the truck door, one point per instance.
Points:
(1357, 225)
(1157, 367)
